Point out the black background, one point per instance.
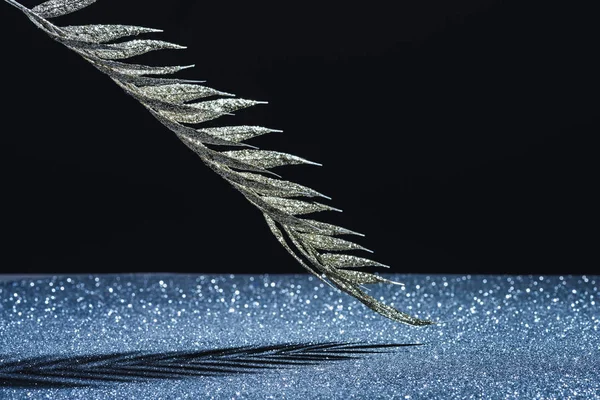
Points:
(457, 135)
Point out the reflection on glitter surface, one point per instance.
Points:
(498, 336)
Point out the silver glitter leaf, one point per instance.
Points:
(133, 48)
(104, 33)
(220, 158)
(197, 117)
(348, 261)
(121, 68)
(56, 8)
(213, 158)
(267, 158)
(127, 73)
(269, 186)
(328, 229)
(179, 92)
(135, 79)
(297, 207)
(207, 110)
(237, 133)
(133, 69)
(224, 106)
(281, 188)
(156, 104)
(330, 243)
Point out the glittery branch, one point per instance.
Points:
(174, 102)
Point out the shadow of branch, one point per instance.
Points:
(95, 370)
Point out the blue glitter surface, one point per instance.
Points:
(497, 336)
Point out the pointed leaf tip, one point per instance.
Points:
(237, 133)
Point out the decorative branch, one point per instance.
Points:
(174, 102)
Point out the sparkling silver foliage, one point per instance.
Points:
(266, 158)
(56, 8)
(130, 49)
(348, 261)
(105, 33)
(179, 93)
(237, 133)
(297, 207)
(323, 242)
(174, 103)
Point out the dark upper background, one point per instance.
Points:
(456, 134)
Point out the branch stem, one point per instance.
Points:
(17, 5)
